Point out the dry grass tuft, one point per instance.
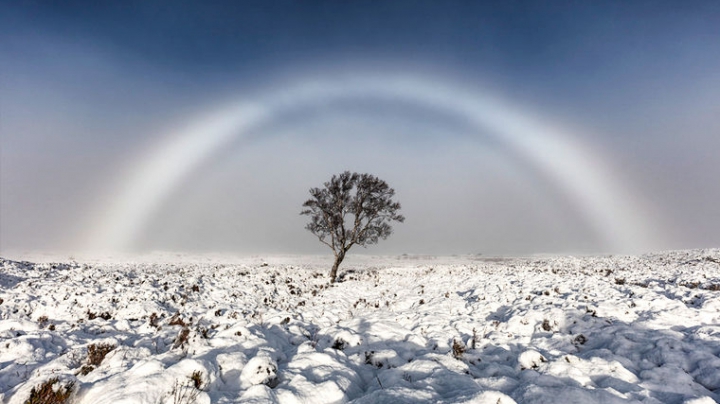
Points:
(458, 349)
(97, 352)
(187, 393)
(42, 321)
(182, 338)
(86, 369)
(546, 325)
(154, 320)
(47, 393)
(177, 320)
(196, 379)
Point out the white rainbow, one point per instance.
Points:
(611, 211)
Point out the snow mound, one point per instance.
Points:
(259, 370)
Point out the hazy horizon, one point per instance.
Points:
(506, 129)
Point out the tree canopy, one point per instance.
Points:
(351, 209)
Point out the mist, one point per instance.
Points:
(90, 96)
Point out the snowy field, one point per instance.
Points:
(394, 330)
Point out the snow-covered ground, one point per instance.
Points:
(394, 330)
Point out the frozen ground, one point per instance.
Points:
(395, 330)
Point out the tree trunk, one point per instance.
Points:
(333, 272)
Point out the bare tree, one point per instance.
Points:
(351, 209)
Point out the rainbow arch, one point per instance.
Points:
(612, 212)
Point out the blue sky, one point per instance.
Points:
(89, 88)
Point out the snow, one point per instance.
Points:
(625, 329)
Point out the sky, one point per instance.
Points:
(506, 128)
